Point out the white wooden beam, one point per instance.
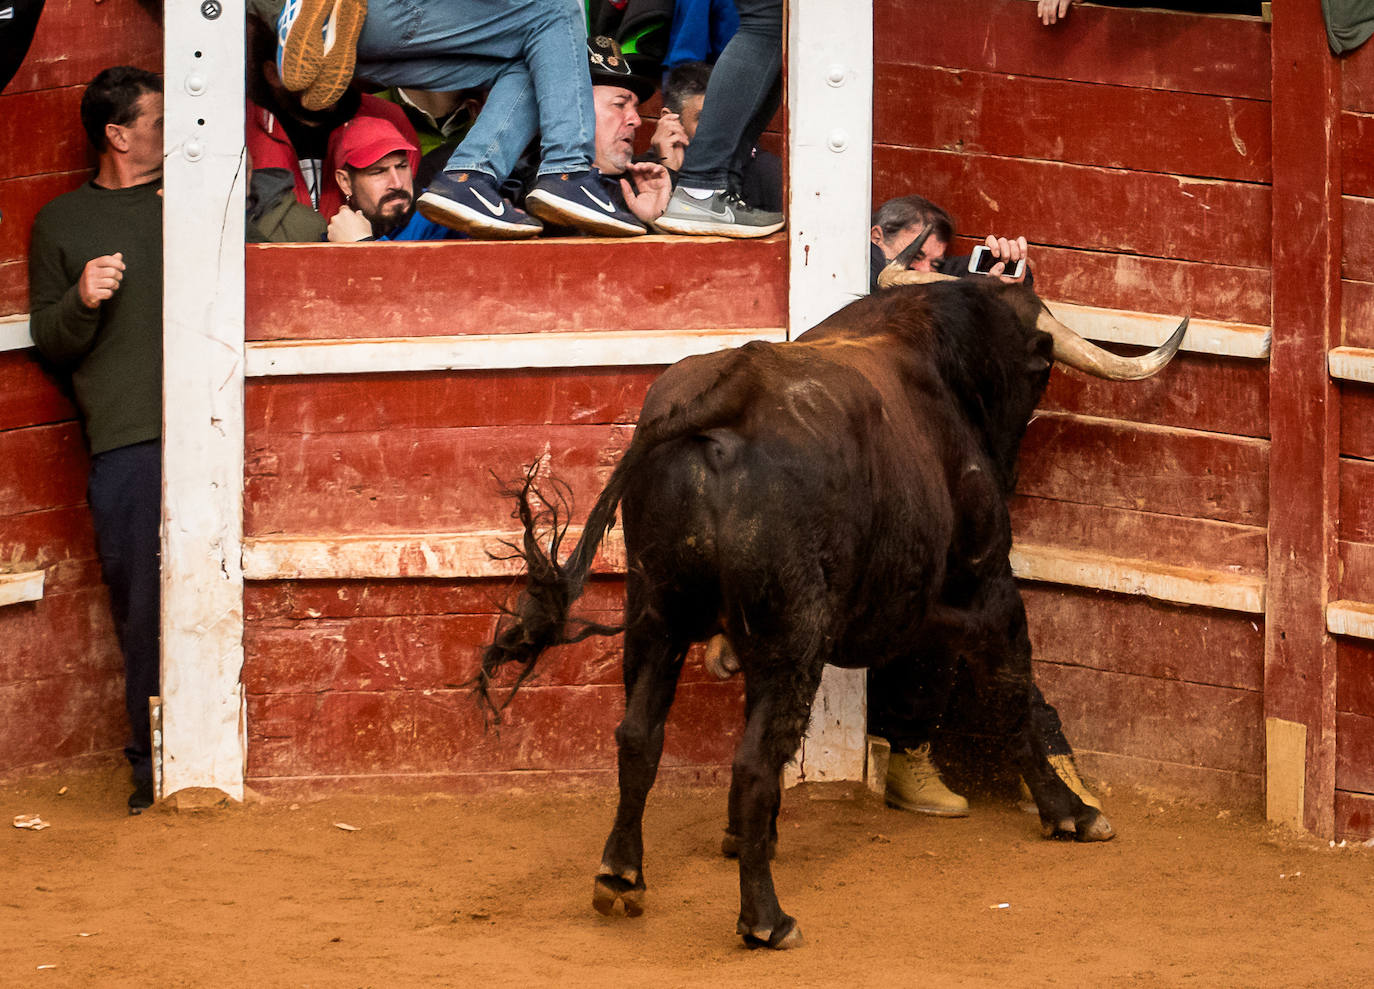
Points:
(476, 352)
(16, 588)
(1204, 336)
(14, 332)
(202, 583)
(830, 152)
(1351, 364)
(1354, 618)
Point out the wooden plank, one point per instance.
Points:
(1171, 721)
(1357, 154)
(1351, 364)
(40, 539)
(557, 284)
(415, 480)
(1170, 540)
(1356, 511)
(1355, 753)
(1354, 682)
(1213, 394)
(61, 717)
(587, 348)
(1155, 468)
(1357, 570)
(1357, 80)
(1182, 585)
(85, 650)
(75, 40)
(1084, 124)
(202, 435)
(1357, 238)
(44, 125)
(1285, 780)
(1354, 815)
(14, 291)
(1158, 285)
(1205, 336)
(1141, 48)
(1082, 206)
(23, 198)
(1141, 637)
(1356, 315)
(1300, 657)
(16, 588)
(29, 395)
(55, 468)
(1347, 617)
(277, 408)
(1241, 792)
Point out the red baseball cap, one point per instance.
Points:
(363, 141)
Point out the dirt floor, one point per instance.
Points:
(495, 891)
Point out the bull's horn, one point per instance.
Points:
(1073, 350)
(895, 274)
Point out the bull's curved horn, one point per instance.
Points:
(1072, 349)
(895, 274)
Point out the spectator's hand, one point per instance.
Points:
(654, 187)
(1010, 251)
(348, 226)
(1050, 11)
(669, 141)
(100, 279)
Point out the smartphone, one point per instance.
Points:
(982, 261)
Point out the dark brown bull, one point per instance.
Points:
(838, 499)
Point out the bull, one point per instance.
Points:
(836, 499)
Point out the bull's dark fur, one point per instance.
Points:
(839, 499)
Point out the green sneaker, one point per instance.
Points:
(723, 214)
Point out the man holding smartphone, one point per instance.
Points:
(897, 222)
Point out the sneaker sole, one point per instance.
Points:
(456, 216)
(719, 228)
(301, 54)
(338, 55)
(924, 808)
(552, 209)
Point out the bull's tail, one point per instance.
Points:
(540, 617)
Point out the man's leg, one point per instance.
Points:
(125, 496)
(905, 702)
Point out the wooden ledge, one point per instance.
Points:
(1354, 618)
(1204, 336)
(1181, 585)
(452, 555)
(19, 587)
(476, 352)
(14, 332)
(1351, 364)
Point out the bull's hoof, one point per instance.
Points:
(786, 935)
(1098, 828)
(729, 846)
(607, 890)
(1094, 827)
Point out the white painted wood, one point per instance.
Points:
(14, 332)
(1181, 585)
(1355, 618)
(830, 150)
(16, 588)
(1351, 364)
(202, 584)
(597, 348)
(1204, 336)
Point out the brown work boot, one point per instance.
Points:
(914, 784)
(1066, 770)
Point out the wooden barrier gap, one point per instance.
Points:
(16, 588)
(476, 555)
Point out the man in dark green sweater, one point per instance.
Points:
(95, 295)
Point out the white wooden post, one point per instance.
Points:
(202, 501)
(830, 152)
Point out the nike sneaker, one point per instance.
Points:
(471, 203)
(722, 213)
(579, 199)
(317, 47)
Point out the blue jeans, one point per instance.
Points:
(532, 53)
(742, 96)
(125, 494)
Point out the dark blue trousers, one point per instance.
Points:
(125, 495)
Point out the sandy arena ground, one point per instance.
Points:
(495, 891)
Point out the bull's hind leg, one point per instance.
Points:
(652, 664)
(779, 703)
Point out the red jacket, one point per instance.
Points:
(270, 147)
